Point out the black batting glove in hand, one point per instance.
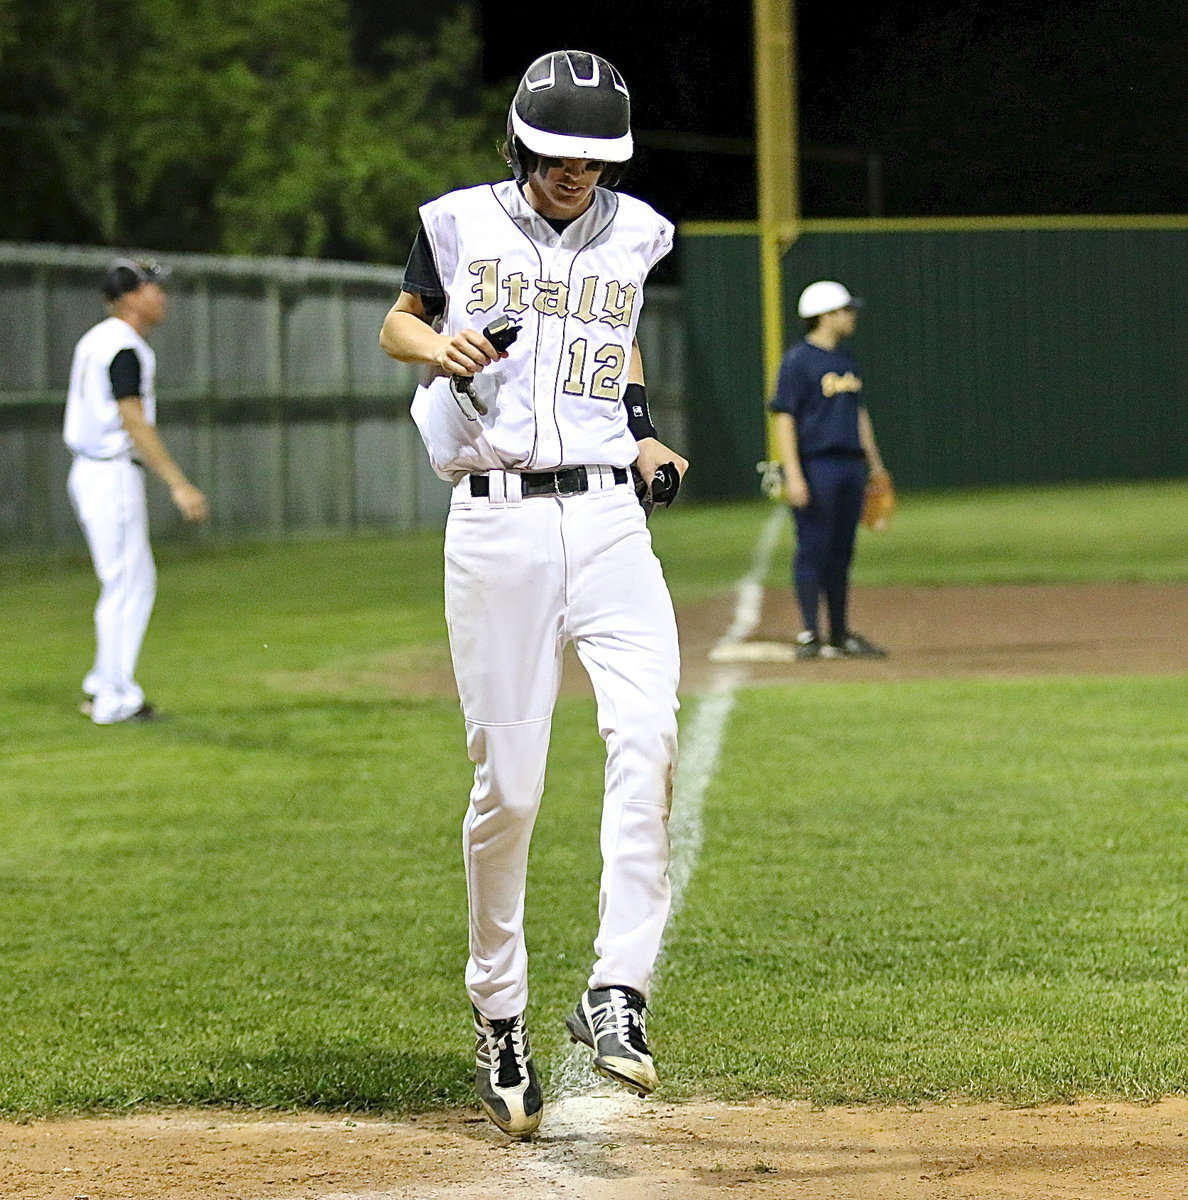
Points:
(500, 333)
(665, 484)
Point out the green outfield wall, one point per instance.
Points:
(724, 388)
(1009, 351)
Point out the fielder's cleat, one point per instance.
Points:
(854, 645)
(146, 712)
(610, 1021)
(504, 1075)
(808, 645)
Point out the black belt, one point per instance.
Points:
(570, 482)
(113, 458)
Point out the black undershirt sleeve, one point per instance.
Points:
(421, 277)
(124, 373)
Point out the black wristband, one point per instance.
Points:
(639, 420)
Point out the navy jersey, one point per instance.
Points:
(821, 390)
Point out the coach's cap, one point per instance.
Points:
(127, 274)
(825, 296)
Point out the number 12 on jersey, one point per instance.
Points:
(608, 366)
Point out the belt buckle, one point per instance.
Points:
(580, 482)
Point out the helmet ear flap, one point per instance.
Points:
(520, 159)
(612, 174)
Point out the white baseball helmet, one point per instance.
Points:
(825, 296)
(570, 104)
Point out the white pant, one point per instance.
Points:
(523, 577)
(108, 498)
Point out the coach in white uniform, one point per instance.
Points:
(110, 431)
(547, 543)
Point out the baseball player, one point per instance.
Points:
(827, 449)
(547, 543)
(110, 431)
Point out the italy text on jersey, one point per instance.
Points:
(592, 298)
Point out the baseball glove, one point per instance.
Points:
(880, 501)
(771, 479)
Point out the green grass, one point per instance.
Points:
(260, 901)
(923, 890)
(1066, 534)
(1070, 534)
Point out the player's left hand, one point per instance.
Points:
(879, 503)
(654, 454)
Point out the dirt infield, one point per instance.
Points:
(931, 632)
(610, 1148)
(640, 1151)
(971, 632)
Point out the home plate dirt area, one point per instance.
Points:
(639, 1151)
(612, 1147)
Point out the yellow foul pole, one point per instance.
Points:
(777, 157)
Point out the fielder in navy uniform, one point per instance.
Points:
(827, 449)
(547, 543)
(110, 429)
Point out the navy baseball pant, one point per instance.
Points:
(825, 531)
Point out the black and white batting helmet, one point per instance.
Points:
(570, 104)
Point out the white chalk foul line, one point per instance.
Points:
(583, 1106)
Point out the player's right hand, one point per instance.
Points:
(466, 352)
(191, 503)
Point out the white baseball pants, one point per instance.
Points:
(109, 500)
(523, 577)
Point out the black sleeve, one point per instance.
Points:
(421, 277)
(639, 419)
(125, 374)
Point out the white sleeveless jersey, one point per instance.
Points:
(556, 400)
(93, 428)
